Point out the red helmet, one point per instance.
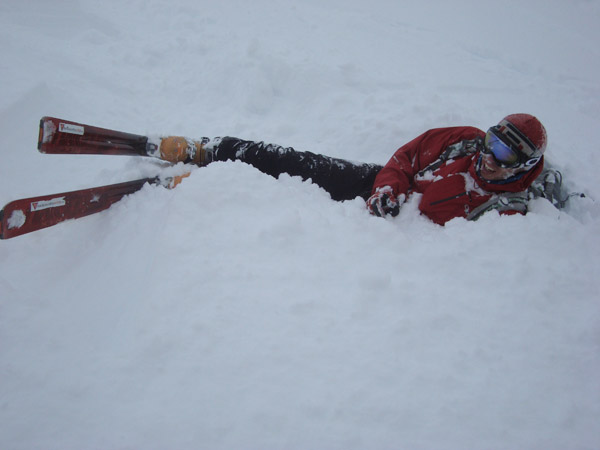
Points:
(524, 133)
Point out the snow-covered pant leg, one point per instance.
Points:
(344, 180)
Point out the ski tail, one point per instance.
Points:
(59, 136)
(31, 214)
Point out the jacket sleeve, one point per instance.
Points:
(417, 154)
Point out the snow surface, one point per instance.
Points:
(241, 311)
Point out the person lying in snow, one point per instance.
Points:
(459, 171)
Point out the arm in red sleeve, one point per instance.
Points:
(417, 154)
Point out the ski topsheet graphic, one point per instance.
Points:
(58, 136)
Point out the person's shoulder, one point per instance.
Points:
(451, 135)
(459, 130)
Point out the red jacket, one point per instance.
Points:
(453, 189)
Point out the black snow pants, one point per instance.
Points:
(344, 180)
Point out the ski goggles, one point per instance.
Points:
(504, 155)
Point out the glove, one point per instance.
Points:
(383, 202)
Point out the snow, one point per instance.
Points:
(16, 219)
(241, 311)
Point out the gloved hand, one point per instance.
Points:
(383, 202)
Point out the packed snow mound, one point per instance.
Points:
(244, 311)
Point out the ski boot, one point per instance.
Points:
(181, 149)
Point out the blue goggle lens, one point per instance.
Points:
(502, 153)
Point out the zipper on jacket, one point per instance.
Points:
(437, 202)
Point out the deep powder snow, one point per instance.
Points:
(241, 311)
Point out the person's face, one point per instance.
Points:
(491, 171)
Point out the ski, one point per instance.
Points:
(59, 136)
(35, 213)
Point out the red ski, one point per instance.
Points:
(31, 214)
(59, 136)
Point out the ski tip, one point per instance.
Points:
(5, 224)
(11, 221)
(46, 133)
(1, 223)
